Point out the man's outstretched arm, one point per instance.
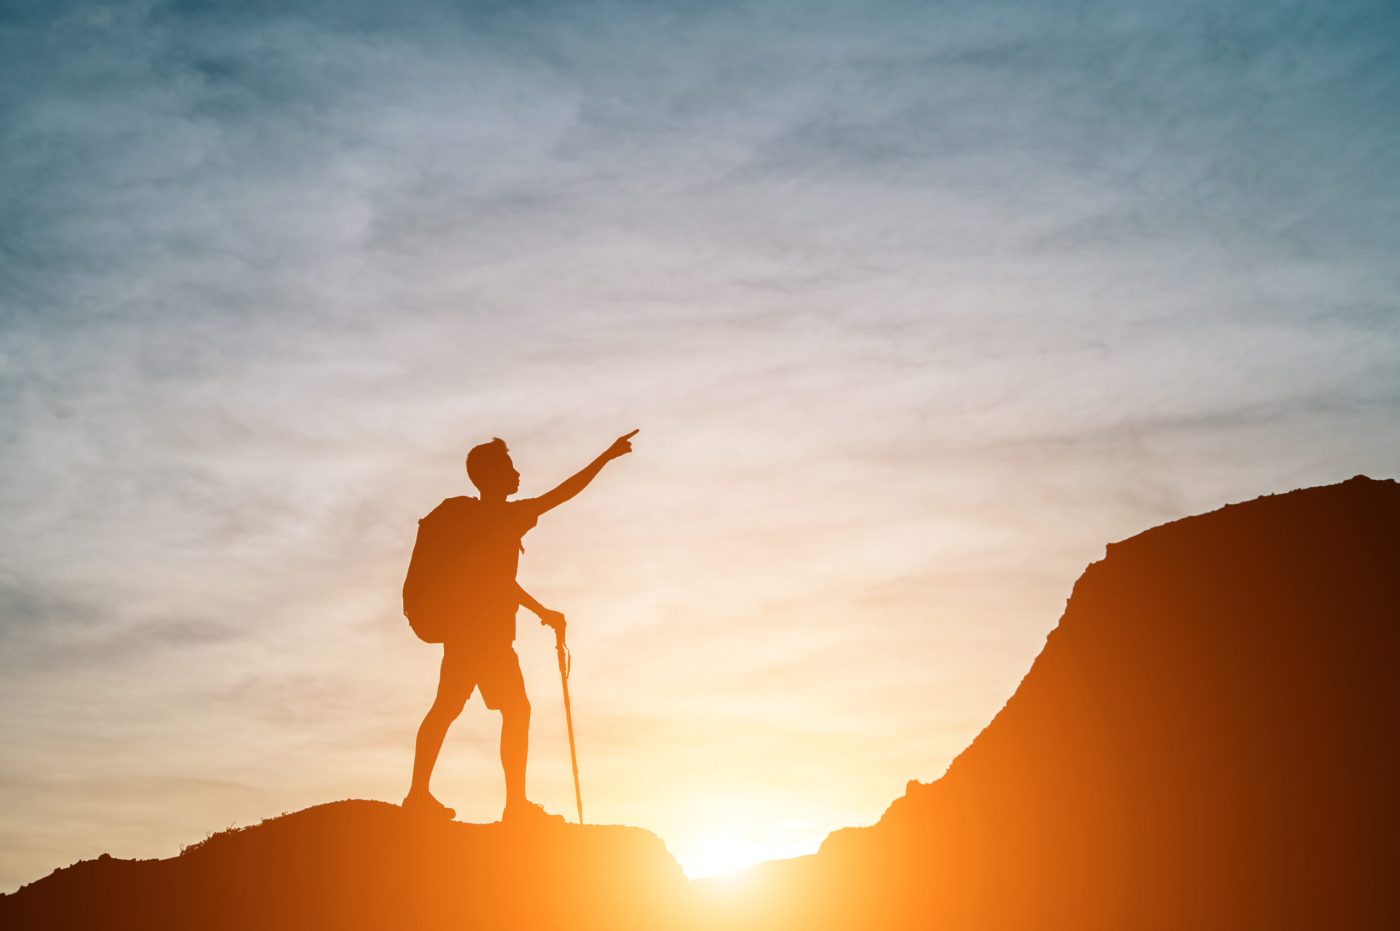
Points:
(579, 481)
(554, 619)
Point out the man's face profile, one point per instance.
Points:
(491, 470)
(505, 475)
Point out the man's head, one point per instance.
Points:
(491, 471)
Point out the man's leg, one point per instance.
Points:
(515, 747)
(503, 689)
(454, 688)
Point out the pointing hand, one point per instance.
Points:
(621, 446)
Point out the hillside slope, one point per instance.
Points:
(363, 865)
(1208, 739)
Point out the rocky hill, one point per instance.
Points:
(1207, 740)
(363, 865)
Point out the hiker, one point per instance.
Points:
(461, 591)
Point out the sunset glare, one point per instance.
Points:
(735, 835)
(730, 851)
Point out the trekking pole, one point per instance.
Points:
(564, 663)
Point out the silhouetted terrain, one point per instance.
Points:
(362, 865)
(1208, 739)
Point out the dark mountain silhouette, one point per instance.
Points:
(1208, 739)
(363, 865)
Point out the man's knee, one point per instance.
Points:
(447, 707)
(516, 709)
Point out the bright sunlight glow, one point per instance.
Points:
(729, 850)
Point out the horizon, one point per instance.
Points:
(916, 310)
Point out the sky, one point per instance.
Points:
(917, 306)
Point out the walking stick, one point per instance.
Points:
(564, 663)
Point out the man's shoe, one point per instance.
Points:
(426, 806)
(529, 814)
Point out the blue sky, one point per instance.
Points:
(917, 306)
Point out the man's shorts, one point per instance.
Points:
(493, 669)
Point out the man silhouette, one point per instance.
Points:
(479, 651)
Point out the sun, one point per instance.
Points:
(720, 852)
(729, 850)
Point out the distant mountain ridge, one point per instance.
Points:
(1207, 740)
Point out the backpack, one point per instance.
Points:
(439, 580)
